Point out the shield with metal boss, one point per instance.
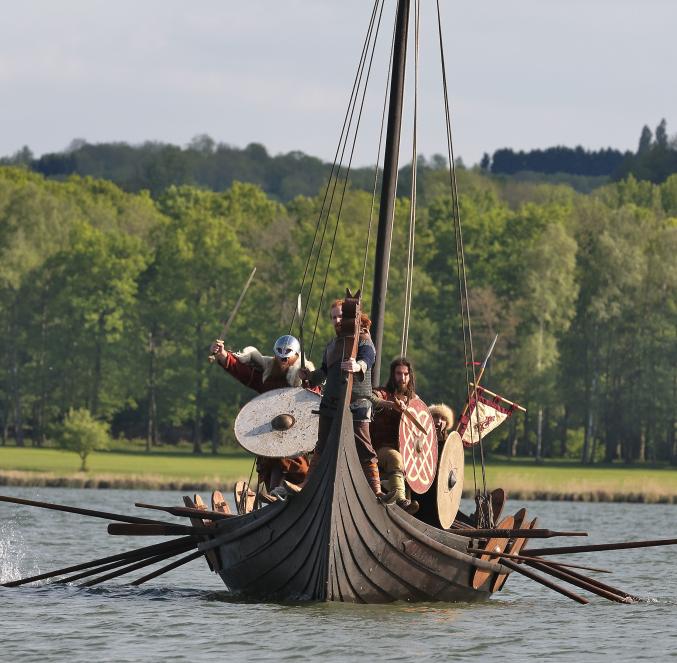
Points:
(279, 423)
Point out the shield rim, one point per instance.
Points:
(418, 486)
(448, 450)
(307, 447)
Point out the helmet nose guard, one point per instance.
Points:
(286, 346)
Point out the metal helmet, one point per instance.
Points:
(287, 346)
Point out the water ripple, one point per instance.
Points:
(187, 615)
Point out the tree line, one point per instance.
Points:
(154, 166)
(109, 301)
(654, 160)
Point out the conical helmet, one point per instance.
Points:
(286, 347)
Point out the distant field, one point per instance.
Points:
(570, 481)
(150, 470)
(522, 479)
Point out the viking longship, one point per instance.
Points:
(335, 540)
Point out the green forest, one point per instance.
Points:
(109, 300)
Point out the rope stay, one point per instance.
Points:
(334, 174)
(409, 276)
(348, 168)
(378, 160)
(340, 172)
(468, 348)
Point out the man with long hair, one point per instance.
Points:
(389, 402)
(360, 401)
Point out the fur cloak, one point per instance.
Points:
(252, 357)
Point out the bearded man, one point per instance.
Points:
(263, 373)
(330, 372)
(389, 402)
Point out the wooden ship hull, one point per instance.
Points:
(335, 541)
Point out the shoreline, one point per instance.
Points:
(136, 482)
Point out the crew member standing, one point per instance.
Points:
(264, 373)
(360, 401)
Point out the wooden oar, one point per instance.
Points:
(156, 529)
(74, 509)
(581, 581)
(623, 545)
(169, 567)
(602, 585)
(513, 533)
(187, 512)
(173, 550)
(146, 550)
(522, 558)
(543, 581)
(132, 567)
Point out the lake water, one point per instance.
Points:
(185, 615)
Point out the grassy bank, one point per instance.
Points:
(181, 470)
(156, 470)
(568, 481)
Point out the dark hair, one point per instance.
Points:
(411, 387)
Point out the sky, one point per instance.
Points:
(523, 74)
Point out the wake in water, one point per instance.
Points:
(12, 553)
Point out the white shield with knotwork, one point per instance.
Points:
(279, 423)
(418, 449)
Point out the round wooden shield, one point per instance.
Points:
(450, 473)
(480, 576)
(418, 449)
(279, 423)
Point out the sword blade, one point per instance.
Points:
(414, 421)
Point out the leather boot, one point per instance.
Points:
(399, 487)
(373, 477)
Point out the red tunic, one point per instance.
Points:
(251, 376)
(292, 469)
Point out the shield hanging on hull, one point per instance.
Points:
(419, 450)
(279, 423)
(450, 473)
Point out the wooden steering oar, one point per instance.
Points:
(156, 529)
(514, 534)
(83, 512)
(623, 545)
(130, 555)
(171, 551)
(168, 567)
(543, 581)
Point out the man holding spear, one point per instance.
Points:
(263, 373)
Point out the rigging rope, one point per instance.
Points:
(346, 179)
(334, 173)
(378, 161)
(468, 348)
(409, 280)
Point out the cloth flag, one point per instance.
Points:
(484, 414)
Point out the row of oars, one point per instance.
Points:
(533, 559)
(114, 566)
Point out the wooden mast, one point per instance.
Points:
(388, 189)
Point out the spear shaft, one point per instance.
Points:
(233, 313)
(475, 385)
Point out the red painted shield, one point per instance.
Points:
(419, 450)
